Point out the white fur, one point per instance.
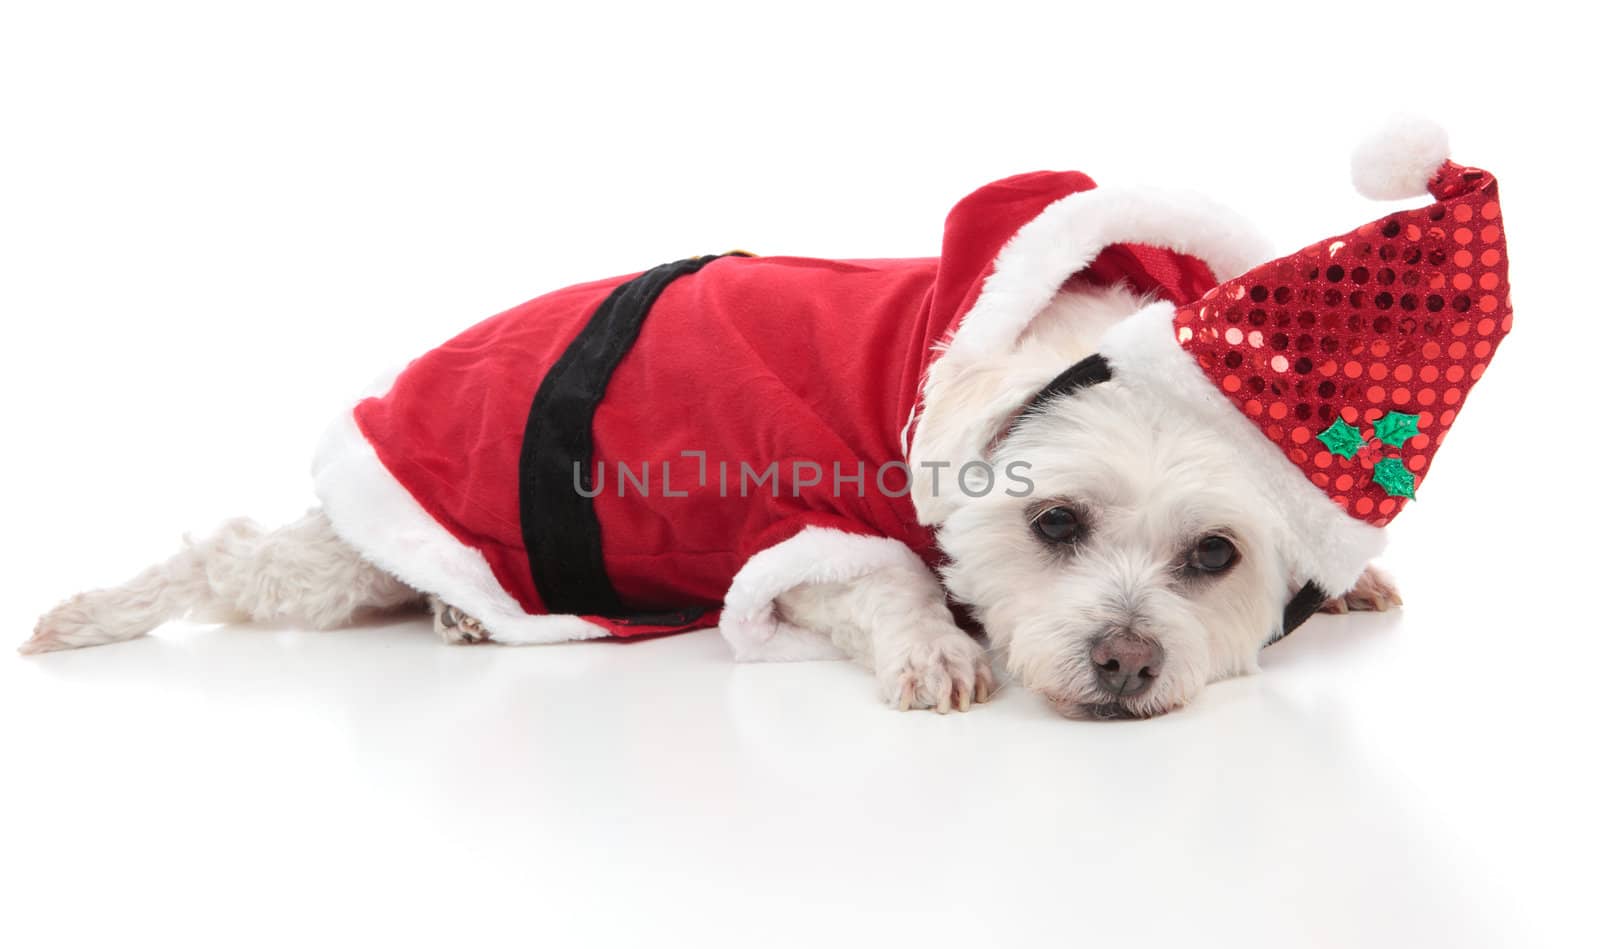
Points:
(969, 398)
(1399, 158)
(303, 573)
(1151, 484)
(1156, 479)
(893, 620)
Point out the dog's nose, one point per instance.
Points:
(1126, 664)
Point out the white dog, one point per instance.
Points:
(1102, 592)
(1163, 541)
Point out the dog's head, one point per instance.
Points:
(1130, 551)
(1138, 567)
(1179, 512)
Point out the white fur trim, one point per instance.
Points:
(750, 622)
(1324, 543)
(1068, 235)
(1399, 158)
(373, 513)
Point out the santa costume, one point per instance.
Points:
(581, 466)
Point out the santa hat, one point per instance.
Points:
(1338, 370)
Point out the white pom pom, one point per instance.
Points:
(1398, 160)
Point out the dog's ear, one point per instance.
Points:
(1301, 607)
(968, 409)
(1088, 371)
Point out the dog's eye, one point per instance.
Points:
(1213, 554)
(1058, 525)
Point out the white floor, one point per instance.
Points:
(1379, 784)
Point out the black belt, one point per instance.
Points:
(560, 529)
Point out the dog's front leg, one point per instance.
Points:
(894, 621)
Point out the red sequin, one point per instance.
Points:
(1418, 295)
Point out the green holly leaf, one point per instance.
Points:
(1395, 428)
(1393, 477)
(1342, 438)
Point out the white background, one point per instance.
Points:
(219, 220)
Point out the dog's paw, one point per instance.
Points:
(1374, 590)
(456, 627)
(948, 672)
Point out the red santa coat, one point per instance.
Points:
(699, 377)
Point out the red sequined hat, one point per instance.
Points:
(1355, 354)
(1341, 367)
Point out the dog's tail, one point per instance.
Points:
(303, 573)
